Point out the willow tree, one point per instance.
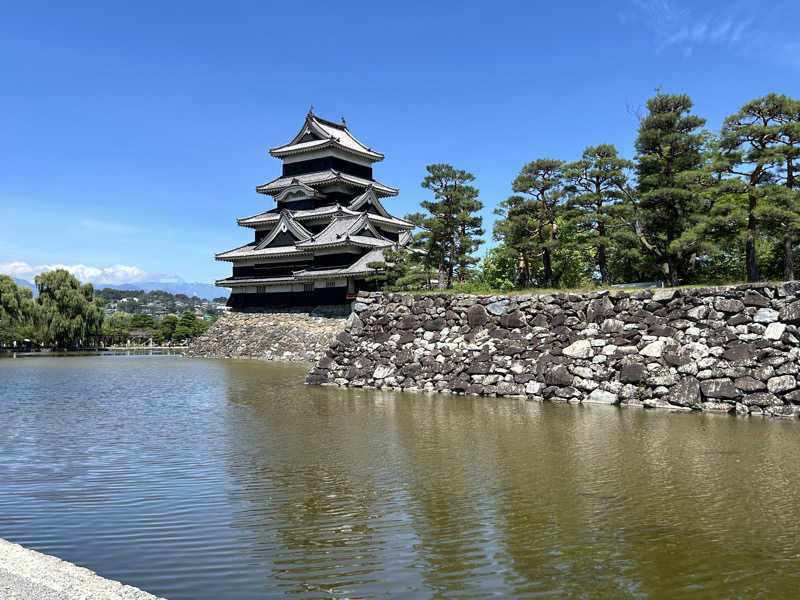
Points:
(529, 224)
(670, 152)
(596, 184)
(67, 312)
(16, 307)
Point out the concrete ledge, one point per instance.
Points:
(29, 575)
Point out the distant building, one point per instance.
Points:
(327, 226)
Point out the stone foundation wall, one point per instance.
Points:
(294, 335)
(723, 349)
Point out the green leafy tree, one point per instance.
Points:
(142, 321)
(68, 312)
(596, 184)
(528, 227)
(117, 328)
(451, 229)
(187, 327)
(166, 328)
(400, 270)
(498, 270)
(670, 153)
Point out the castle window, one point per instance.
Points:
(308, 287)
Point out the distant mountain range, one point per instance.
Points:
(201, 290)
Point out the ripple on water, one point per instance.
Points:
(211, 479)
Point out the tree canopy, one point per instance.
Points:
(68, 313)
(451, 229)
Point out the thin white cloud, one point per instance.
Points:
(115, 274)
(682, 26)
(107, 226)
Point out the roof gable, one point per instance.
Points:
(364, 227)
(317, 132)
(369, 198)
(286, 232)
(298, 190)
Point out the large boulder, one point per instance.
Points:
(685, 393)
(601, 397)
(598, 309)
(781, 383)
(749, 384)
(740, 353)
(654, 349)
(728, 305)
(753, 298)
(476, 315)
(719, 388)
(766, 315)
(513, 320)
(791, 313)
(497, 308)
(775, 331)
(558, 375)
(579, 349)
(633, 373)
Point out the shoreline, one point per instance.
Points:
(26, 574)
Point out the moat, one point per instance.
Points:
(214, 479)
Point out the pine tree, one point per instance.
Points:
(748, 150)
(469, 234)
(787, 205)
(528, 226)
(670, 152)
(451, 227)
(596, 185)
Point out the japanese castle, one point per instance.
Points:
(328, 224)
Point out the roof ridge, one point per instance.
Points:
(342, 126)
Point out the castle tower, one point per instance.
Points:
(328, 224)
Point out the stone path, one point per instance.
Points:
(29, 575)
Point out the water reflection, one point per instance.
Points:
(209, 479)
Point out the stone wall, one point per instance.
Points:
(724, 349)
(296, 335)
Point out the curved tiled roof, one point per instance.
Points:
(327, 134)
(250, 251)
(344, 231)
(324, 177)
(270, 217)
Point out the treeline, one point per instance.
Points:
(115, 295)
(67, 314)
(140, 301)
(690, 207)
(121, 328)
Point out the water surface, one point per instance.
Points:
(225, 479)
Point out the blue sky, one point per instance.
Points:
(133, 134)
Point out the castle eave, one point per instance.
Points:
(321, 178)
